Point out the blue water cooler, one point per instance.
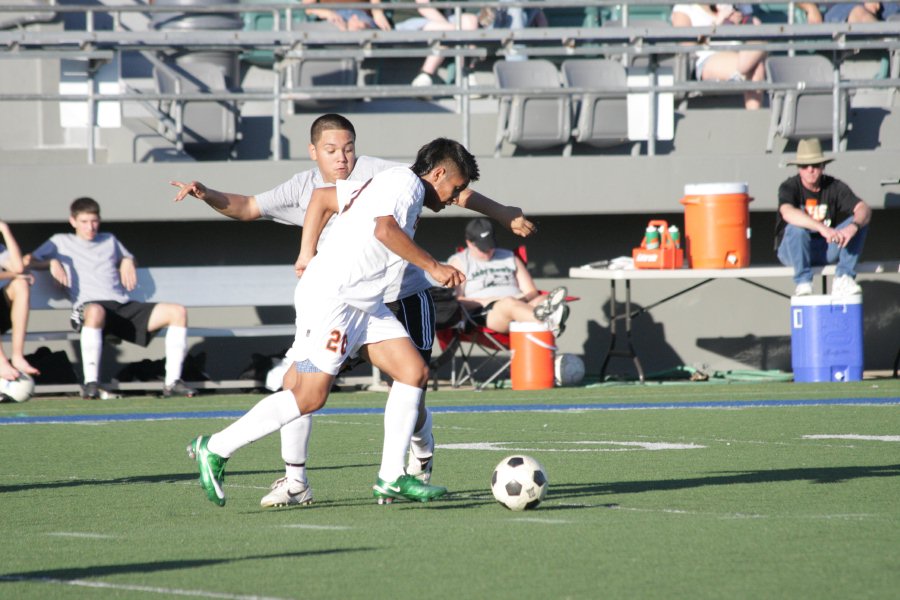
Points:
(826, 338)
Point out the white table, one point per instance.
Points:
(700, 277)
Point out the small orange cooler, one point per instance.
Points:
(533, 347)
(717, 225)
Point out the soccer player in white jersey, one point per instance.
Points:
(366, 251)
(333, 147)
(14, 294)
(98, 272)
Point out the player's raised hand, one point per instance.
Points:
(194, 188)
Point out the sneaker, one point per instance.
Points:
(212, 469)
(420, 468)
(93, 391)
(422, 80)
(557, 320)
(406, 487)
(178, 389)
(550, 303)
(803, 289)
(845, 285)
(287, 492)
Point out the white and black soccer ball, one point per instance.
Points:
(519, 482)
(19, 389)
(568, 369)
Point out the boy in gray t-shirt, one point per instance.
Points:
(98, 272)
(14, 295)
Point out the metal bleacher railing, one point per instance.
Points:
(628, 39)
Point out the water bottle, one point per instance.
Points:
(651, 238)
(675, 235)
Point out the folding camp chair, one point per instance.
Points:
(463, 340)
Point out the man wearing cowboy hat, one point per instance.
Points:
(820, 221)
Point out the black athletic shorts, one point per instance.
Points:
(479, 317)
(125, 321)
(416, 314)
(5, 307)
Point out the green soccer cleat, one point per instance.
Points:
(212, 469)
(406, 487)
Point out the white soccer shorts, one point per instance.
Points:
(328, 335)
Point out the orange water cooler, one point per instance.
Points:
(717, 225)
(533, 347)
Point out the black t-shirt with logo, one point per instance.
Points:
(831, 205)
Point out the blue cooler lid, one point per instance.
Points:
(825, 300)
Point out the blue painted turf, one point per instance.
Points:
(481, 408)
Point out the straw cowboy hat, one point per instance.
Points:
(809, 152)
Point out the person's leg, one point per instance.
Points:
(751, 64)
(848, 256)
(18, 291)
(416, 313)
(94, 319)
(506, 310)
(400, 360)
(174, 318)
(795, 251)
(293, 488)
(7, 370)
(267, 416)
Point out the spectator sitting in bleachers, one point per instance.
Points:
(861, 12)
(723, 65)
(432, 19)
(347, 19)
(498, 288)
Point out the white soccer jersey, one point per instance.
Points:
(92, 266)
(352, 266)
(287, 203)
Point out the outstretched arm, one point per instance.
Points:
(389, 233)
(322, 206)
(510, 217)
(233, 206)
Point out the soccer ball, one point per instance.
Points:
(17, 390)
(568, 369)
(519, 482)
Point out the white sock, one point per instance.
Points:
(176, 348)
(400, 414)
(295, 446)
(269, 415)
(422, 442)
(91, 346)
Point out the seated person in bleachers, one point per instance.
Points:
(432, 19)
(98, 272)
(861, 12)
(347, 19)
(723, 65)
(14, 295)
(498, 288)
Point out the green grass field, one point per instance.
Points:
(753, 502)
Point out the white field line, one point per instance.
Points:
(80, 534)
(542, 521)
(736, 516)
(567, 446)
(136, 588)
(316, 527)
(854, 436)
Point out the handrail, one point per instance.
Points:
(291, 45)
